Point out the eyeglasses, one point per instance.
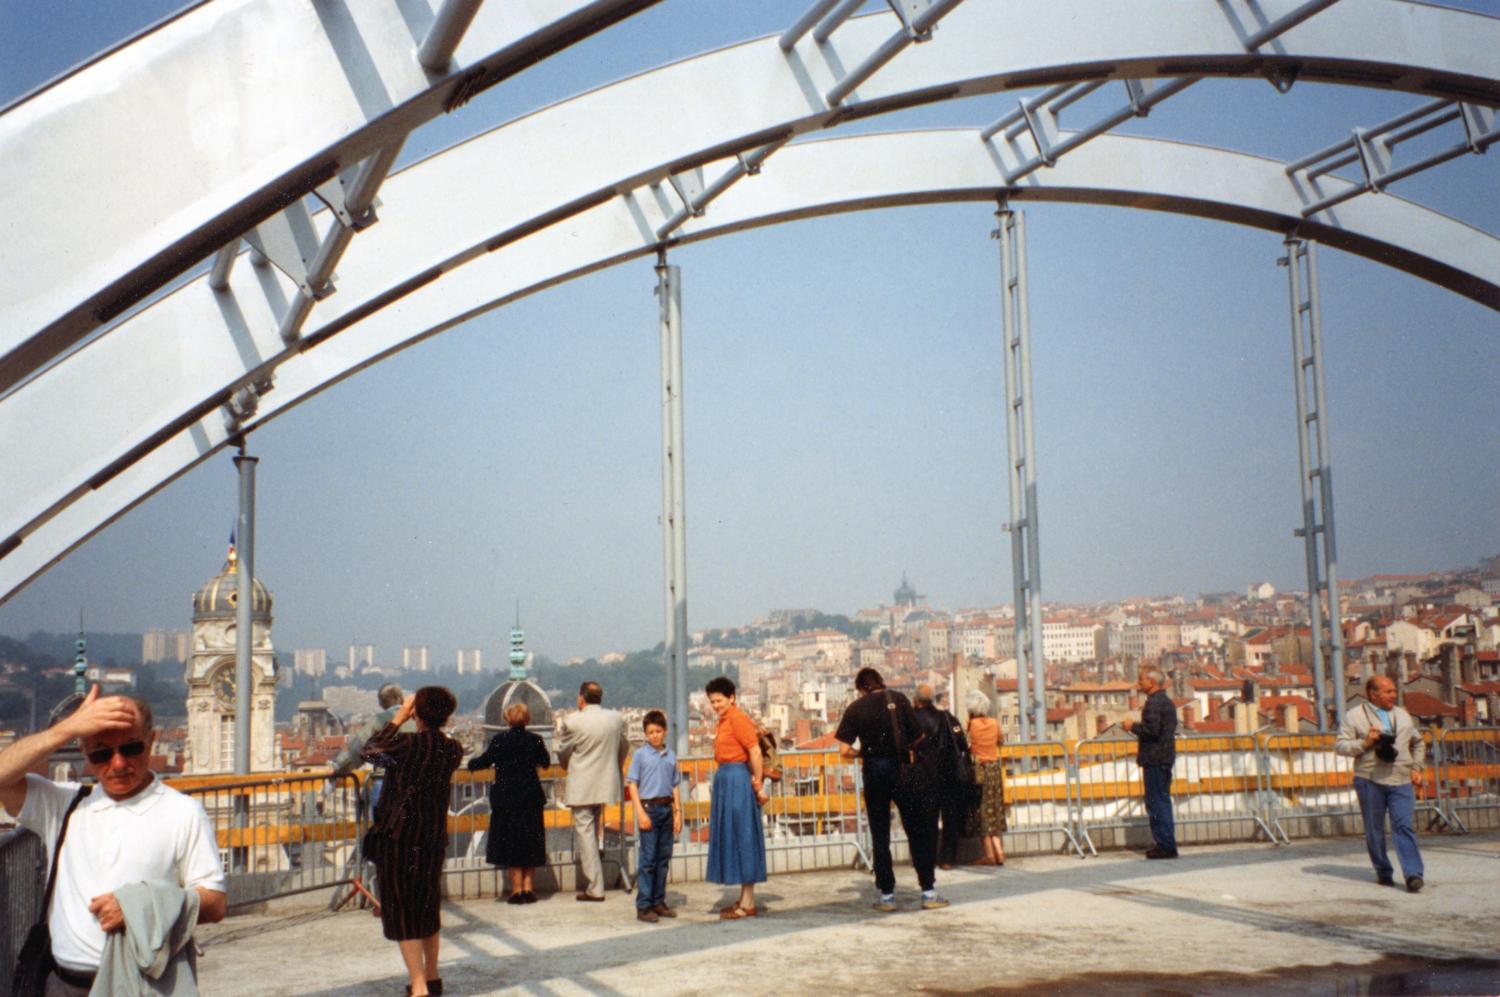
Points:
(101, 756)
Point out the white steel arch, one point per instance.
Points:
(258, 103)
(808, 179)
(135, 221)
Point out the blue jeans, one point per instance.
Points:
(653, 857)
(1158, 780)
(1375, 801)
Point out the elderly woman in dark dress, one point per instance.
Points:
(411, 829)
(517, 838)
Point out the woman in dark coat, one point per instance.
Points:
(517, 839)
(411, 829)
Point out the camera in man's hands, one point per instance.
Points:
(1385, 748)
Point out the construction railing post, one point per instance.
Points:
(674, 529)
(1025, 544)
(1315, 480)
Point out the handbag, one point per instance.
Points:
(964, 773)
(770, 759)
(912, 785)
(34, 963)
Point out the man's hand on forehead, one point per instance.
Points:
(102, 715)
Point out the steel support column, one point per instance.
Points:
(1025, 545)
(244, 603)
(1315, 479)
(673, 499)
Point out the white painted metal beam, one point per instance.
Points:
(96, 215)
(803, 180)
(124, 174)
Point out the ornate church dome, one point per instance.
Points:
(218, 596)
(518, 688)
(517, 691)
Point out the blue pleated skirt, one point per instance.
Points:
(736, 840)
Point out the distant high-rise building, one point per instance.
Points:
(310, 661)
(361, 656)
(164, 645)
(414, 659)
(470, 661)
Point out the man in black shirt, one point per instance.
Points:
(943, 752)
(885, 727)
(1157, 752)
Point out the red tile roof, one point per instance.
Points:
(1305, 710)
(1420, 704)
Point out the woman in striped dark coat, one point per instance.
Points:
(411, 829)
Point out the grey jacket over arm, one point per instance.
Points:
(154, 953)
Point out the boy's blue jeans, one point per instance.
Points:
(654, 855)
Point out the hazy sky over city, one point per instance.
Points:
(844, 406)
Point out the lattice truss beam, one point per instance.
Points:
(152, 388)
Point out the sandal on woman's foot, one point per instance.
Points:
(734, 912)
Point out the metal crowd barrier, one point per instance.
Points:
(813, 819)
(1304, 780)
(1468, 776)
(465, 869)
(1041, 793)
(1216, 782)
(282, 835)
(23, 878)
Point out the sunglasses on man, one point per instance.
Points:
(101, 756)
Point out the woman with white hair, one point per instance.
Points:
(984, 746)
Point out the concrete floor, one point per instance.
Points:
(1222, 919)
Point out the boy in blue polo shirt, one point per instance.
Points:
(652, 785)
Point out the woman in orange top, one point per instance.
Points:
(736, 839)
(984, 745)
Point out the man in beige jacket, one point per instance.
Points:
(1388, 752)
(592, 746)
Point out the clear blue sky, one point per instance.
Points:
(844, 416)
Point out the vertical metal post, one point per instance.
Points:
(244, 603)
(674, 501)
(1334, 619)
(1317, 502)
(1033, 527)
(1025, 548)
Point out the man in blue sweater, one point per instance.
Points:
(1157, 751)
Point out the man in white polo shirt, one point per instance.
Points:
(130, 829)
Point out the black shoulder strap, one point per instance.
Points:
(62, 834)
(891, 709)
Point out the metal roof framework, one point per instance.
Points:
(155, 390)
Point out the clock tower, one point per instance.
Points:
(210, 675)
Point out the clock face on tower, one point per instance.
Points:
(223, 685)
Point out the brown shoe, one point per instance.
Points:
(662, 910)
(646, 914)
(588, 898)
